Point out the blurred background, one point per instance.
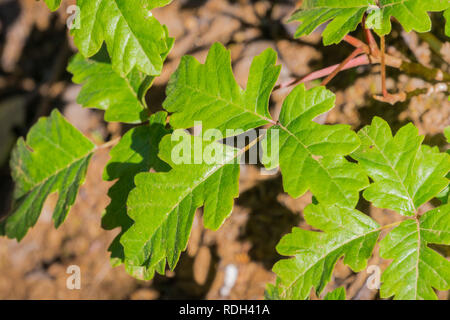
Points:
(34, 51)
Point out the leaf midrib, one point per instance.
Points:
(310, 155)
(338, 247)
(411, 201)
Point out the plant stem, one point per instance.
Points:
(359, 61)
(339, 68)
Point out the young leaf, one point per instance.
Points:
(347, 232)
(420, 268)
(163, 204)
(122, 98)
(346, 15)
(54, 158)
(336, 294)
(311, 156)
(406, 174)
(209, 93)
(136, 152)
(53, 4)
(412, 14)
(134, 38)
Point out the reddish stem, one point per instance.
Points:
(359, 61)
(356, 43)
(355, 53)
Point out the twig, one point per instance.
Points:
(373, 56)
(359, 61)
(339, 68)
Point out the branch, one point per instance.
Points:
(339, 68)
(359, 61)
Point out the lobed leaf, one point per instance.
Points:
(209, 93)
(311, 156)
(163, 205)
(122, 98)
(134, 38)
(421, 268)
(347, 232)
(406, 174)
(54, 158)
(136, 152)
(344, 16)
(412, 14)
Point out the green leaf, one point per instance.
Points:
(134, 38)
(53, 4)
(136, 152)
(209, 93)
(311, 156)
(346, 15)
(122, 98)
(163, 204)
(444, 196)
(405, 173)
(416, 269)
(347, 232)
(54, 158)
(336, 294)
(412, 14)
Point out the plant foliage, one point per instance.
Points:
(160, 180)
(346, 15)
(405, 174)
(209, 93)
(312, 156)
(53, 158)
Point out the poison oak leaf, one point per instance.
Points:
(209, 93)
(134, 38)
(54, 158)
(163, 205)
(406, 174)
(416, 269)
(122, 98)
(347, 232)
(136, 152)
(311, 156)
(412, 14)
(346, 15)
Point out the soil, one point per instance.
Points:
(34, 51)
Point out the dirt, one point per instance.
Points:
(34, 52)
